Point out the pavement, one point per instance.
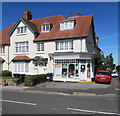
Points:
(69, 88)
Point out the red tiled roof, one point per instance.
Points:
(21, 58)
(82, 28)
(4, 39)
(1, 59)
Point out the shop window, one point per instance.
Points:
(88, 70)
(64, 70)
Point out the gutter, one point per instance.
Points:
(59, 39)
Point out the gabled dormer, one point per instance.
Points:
(46, 27)
(67, 24)
(23, 29)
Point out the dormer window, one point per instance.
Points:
(45, 27)
(21, 30)
(65, 25)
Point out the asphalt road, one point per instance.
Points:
(28, 103)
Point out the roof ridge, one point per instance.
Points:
(46, 17)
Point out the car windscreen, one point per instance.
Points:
(103, 73)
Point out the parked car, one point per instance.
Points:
(103, 76)
(114, 74)
(49, 76)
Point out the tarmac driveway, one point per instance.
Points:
(70, 88)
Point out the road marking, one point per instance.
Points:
(18, 102)
(90, 111)
(0, 108)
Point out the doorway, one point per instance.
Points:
(71, 70)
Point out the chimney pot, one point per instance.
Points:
(78, 14)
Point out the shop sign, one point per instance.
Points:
(57, 65)
(64, 66)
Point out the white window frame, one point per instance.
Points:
(67, 25)
(64, 45)
(45, 28)
(40, 47)
(21, 67)
(2, 49)
(21, 30)
(22, 47)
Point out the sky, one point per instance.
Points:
(105, 18)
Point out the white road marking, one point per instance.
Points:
(0, 108)
(18, 102)
(90, 111)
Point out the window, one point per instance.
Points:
(64, 45)
(40, 46)
(21, 67)
(67, 25)
(2, 49)
(45, 27)
(22, 47)
(21, 30)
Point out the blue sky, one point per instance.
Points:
(105, 18)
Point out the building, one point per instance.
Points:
(55, 44)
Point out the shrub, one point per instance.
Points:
(34, 79)
(6, 73)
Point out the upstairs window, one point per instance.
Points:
(45, 27)
(22, 47)
(40, 47)
(21, 30)
(64, 45)
(69, 24)
(2, 49)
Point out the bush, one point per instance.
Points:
(6, 73)
(34, 79)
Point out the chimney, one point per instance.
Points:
(27, 15)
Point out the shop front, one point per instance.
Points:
(73, 69)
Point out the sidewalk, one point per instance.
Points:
(68, 88)
(13, 88)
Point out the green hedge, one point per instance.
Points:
(6, 73)
(34, 79)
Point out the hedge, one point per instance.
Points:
(34, 79)
(6, 73)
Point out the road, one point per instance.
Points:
(29, 103)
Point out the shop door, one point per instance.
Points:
(83, 70)
(71, 71)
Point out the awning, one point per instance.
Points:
(39, 57)
(21, 58)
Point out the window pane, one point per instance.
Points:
(25, 29)
(21, 29)
(26, 67)
(47, 27)
(43, 27)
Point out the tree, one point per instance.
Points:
(108, 63)
(104, 63)
(99, 61)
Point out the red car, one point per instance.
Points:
(103, 76)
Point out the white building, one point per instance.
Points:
(56, 44)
